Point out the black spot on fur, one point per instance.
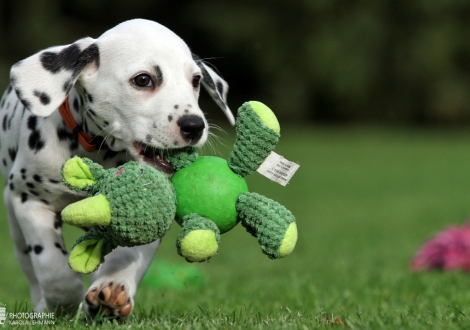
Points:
(24, 197)
(57, 245)
(30, 185)
(38, 249)
(89, 97)
(109, 154)
(9, 122)
(54, 181)
(32, 122)
(186, 111)
(11, 176)
(3, 103)
(154, 124)
(45, 201)
(220, 87)
(4, 162)
(64, 134)
(148, 138)
(159, 76)
(43, 97)
(175, 143)
(28, 249)
(12, 187)
(4, 123)
(205, 74)
(12, 153)
(76, 106)
(70, 58)
(65, 59)
(35, 142)
(67, 86)
(58, 223)
(176, 106)
(24, 101)
(37, 178)
(170, 118)
(23, 171)
(105, 123)
(92, 112)
(10, 88)
(33, 192)
(87, 56)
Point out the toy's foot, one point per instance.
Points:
(111, 299)
(270, 222)
(199, 239)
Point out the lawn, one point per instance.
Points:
(365, 198)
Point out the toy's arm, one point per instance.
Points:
(270, 222)
(258, 133)
(181, 158)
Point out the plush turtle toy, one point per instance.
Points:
(135, 204)
(130, 205)
(212, 194)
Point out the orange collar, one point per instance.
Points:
(84, 139)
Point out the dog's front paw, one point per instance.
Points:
(111, 299)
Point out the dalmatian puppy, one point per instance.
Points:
(134, 92)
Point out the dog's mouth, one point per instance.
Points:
(153, 157)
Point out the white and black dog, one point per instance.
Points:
(134, 93)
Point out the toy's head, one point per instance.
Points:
(130, 205)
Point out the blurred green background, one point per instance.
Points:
(319, 60)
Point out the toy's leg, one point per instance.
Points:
(270, 222)
(199, 239)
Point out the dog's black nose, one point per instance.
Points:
(191, 127)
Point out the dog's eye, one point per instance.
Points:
(196, 81)
(143, 80)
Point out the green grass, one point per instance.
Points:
(365, 198)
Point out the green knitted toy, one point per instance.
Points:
(212, 195)
(130, 205)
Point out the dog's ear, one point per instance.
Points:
(43, 80)
(216, 86)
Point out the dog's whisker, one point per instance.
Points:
(104, 139)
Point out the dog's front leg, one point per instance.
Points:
(59, 285)
(114, 284)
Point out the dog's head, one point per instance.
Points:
(140, 79)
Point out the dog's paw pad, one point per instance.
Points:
(111, 299)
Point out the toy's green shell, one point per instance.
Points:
(209, 188)
(152, 198)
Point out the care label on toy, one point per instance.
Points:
(278, 169)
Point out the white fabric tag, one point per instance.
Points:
(278, 169)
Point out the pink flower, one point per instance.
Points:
(448, 250)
